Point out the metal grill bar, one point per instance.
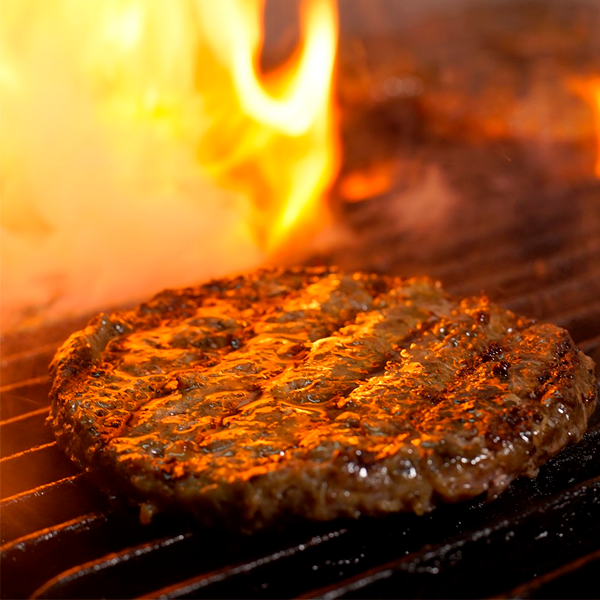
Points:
(19, 432)
(118, 574)
(463, 564)
(577, 579)
(515, 279)
(34, 468)
(48, 505)
(28, 365)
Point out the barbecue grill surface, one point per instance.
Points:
(62, 538)
(515, 224)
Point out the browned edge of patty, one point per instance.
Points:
(408, 478)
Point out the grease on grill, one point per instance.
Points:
(317, 394)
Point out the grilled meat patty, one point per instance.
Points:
(317, 394)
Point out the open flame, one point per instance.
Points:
(289, 105)
(142, 146)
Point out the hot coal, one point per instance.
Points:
(312, 393)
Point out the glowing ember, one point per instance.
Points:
(589, 90)
(596, 99)
(142, 147)
(376, 179)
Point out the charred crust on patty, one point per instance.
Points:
(313, 393)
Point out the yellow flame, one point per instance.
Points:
(288, 115)
(124, 29)
(268, 136)
(295, 110)
(141, 120)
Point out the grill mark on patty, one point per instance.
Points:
(341, 370)
(106, 340)
(399, 399)
(205, 396)
(336, 365)
(268, 422)
(131, 351)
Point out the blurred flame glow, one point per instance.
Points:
(596, 91)
(589, 90)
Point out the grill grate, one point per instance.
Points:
(536, 527)
(61, 538)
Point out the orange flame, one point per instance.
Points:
(142, 147)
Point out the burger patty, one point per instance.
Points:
(316, 394)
